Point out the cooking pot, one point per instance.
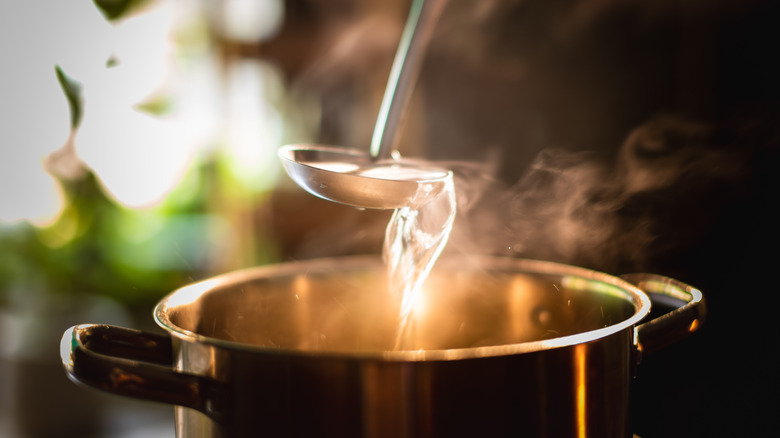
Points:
(497, 347)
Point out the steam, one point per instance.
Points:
(572, 207)
(666, 186)
(658, 193)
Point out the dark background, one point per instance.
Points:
(655, 123)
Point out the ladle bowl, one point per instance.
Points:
(374, 179)
(351, 177)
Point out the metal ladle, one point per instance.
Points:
(377, 180)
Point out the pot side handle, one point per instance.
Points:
(134, 364)
(687, 314)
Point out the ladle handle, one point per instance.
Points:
(687, 314)
(135, 364)
(403, 74)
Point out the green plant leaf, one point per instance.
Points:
(72, 91)
(115, 10)
(157, 105)
(112, 61)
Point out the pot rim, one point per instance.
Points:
(612, 285)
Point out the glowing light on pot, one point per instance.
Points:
(580, 352)
(518, 303)
(189, 294)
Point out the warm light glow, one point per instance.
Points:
(580, 386)
(403, 173)
(301, 287)
(189, 294)
(333, 166)
(420, 304)
(518, 306)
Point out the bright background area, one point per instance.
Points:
(163, 54)
(182, 144)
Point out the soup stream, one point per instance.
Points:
(414, 239)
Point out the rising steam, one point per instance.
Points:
(574, 208)
(525, 76)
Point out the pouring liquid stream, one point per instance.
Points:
(423, 198)
(414, 239)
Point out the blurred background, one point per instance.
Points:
(138, 154)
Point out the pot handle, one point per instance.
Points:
(687, 314)
(134, 364)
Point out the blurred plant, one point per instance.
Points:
(207, 224)
(96, 245)
(114, 10)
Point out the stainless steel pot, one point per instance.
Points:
(499, 347)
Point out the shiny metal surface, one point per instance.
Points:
(350, 177)
(418, 30)
(502, 347)
(474, 307)
(374, 179)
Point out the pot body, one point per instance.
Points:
(580, 390)
(498, 347)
